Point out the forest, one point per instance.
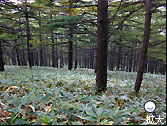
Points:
(82, 62)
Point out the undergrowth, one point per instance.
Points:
(52, 96)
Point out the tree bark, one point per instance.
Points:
(28, 39)
(151, 66)
(76, 56)
(119, 56)
(13, 56)
(112, 57)
(40, 39)
(61, 55)
(102, 46)
(56, 55)
(1, 58)
(53, 51)
(18, 57)
(143, 53)
(70, 43)
(130, 60)
(70, 49)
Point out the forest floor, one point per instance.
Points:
(46, 95)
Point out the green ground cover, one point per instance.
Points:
(51, 96)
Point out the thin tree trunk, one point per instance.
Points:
(13, 56)
(28, 39)
(61, 55)
(18, 57)
(76, 56)
(143, 53)
(112, 57)
(70, 49)
(102, 46)
(134, 61)
(119, 56)
(56, 58)
(151, 66)
(70, 43)
(1, 58)
(130, 60)
(53, 51)
(40, 39)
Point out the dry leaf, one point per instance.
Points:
(5, 113)
(48, 108)
(32, 107)
(12, 87)
(2, 105)
(111, 122)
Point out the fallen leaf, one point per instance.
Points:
(12, 87)
(111, 122)
(48, 108)
(5, 113)
(32, 107)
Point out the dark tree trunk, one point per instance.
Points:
(124, 61)
(112, 57)
(130, 60)
(41, 45)
(85, 57)
(143, 53)
(36, 59)
(61, 55)
(145, 65)
(18, 57)
(102, 46)
(70, 42)
(22, 59)
(70, 49)
(53, 51)
(56, 56)
(119, 56)
(151, 66)
(80, 61)
(134, 61)
(92, 53)
(1, 58)
(28, 39)
(162, 68)
(92, 58)
(76, 57)
(32, 56)
(13, 57)
(127, 61)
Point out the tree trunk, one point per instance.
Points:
(61, 55)
(28, 40)
(134, 61)
(151, 66)
(102, 46)
(70, 49)
(53, 51)
(70, 43)
(18, 57)
(56, 55)
(41, 45)
(143, 53)
(130, 60)
(1, 58)
(112, 57)
(76, 56)
(13, 56)
(119, 56)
